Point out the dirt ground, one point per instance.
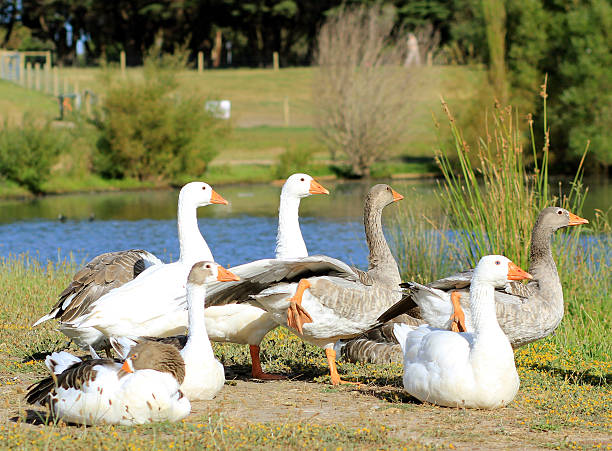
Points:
(245, 400)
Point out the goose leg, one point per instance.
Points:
(256, 370)
(333, 370)
(458, 317)
(296, 315)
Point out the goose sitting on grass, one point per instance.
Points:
(145, 388)
(470, 369)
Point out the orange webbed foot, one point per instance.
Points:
(296, 315)
(458, 317)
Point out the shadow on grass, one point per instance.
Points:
(577, 377)
(35, 418)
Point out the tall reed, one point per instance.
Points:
(492, 196)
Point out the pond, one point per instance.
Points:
(244, 230)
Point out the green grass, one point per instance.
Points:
(260, 136)
(565, 381)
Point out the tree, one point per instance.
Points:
(361, 87)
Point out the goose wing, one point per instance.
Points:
(75, 376)
(101, 275)
(261, 274)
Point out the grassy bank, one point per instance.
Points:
(255, 148)
(564, 400)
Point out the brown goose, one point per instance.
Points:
(525, 313)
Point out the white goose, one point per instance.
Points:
(154, 303)
(469, 369)
(244, 323)
(204, 375)
(144, 389)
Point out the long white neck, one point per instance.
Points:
(482, 307)
(198, 343)
(193, 247)
(289, 241)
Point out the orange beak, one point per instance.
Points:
(396, 196)
(215, 198)
(226, 276)
(516, 273)
(126, 366)
(317, 188)
(577, 220)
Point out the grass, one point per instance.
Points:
(564, 399)
(260, 137)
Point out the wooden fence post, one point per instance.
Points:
(76, 91)
(55, 82)
(200, 62)
(122, 62)
(275, 61)
(22, 69)
(65, 91)
(28, 75)
(37, 76)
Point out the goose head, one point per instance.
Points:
(497, 270)
(382, 195)
(155, 356)
(200, 194)
(205, 272)
(555, 218)
(302, 185)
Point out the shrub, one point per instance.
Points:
(292, 160)
(28, 152)
(150, 132)
(361, 91)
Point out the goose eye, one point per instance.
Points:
(203, 187)
(302, 179)
(208, 266)
(560, 212)
(497, 262)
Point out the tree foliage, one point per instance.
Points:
(28, 152)
(149, 132)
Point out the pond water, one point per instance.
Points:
(242, 231)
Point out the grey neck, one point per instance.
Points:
(382, 267)
(542, 266)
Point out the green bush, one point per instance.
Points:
(292, 160)
(28, 152)
(149, 132)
